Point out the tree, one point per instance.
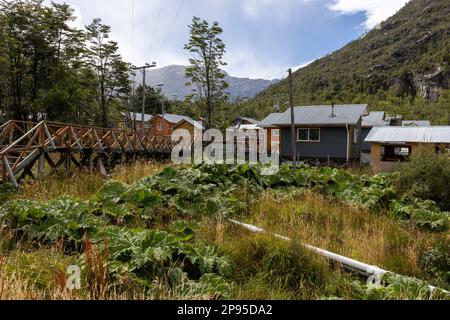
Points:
(111, 71)
(39, 56)
(154, 99)
(207, 50)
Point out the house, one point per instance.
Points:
(164, 124)
(244, 120)
(323, 132)
(194, 127)
(272, 131)
(134, 120)
(373, 119)
(393, 145)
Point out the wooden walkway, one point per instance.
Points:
(33, 149)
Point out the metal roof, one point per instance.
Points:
(322, 115)
(437, 134)
(246, 127)
(269, 120)
(251, 120)
(196, 124)
(137, 116)
(175, 119)
(374, 119)
(416, 123)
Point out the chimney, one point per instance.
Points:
(332, 110)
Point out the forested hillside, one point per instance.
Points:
(402, 67)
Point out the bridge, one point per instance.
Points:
(31, 149)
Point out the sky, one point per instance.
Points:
(263, 38)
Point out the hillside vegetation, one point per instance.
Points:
(401, 67)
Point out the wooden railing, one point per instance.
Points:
(23, 144)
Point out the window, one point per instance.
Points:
(159, 127)
(308, 135)
(275, 132)
(395, 153)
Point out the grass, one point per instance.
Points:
(83, 185)
(374, 239)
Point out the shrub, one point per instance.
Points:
(427, 176)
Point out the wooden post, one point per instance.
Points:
(101, 166)
(67, 161)
(4, 173)
(91, 163)
(41, 163)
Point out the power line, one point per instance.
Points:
(155, 28)
(171, 26)
(132, 30)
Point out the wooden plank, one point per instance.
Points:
(12, 178)
(101, 166)
(41, 165)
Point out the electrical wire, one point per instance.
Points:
(171, 26)
(155, 29)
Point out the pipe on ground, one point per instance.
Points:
(374, 273)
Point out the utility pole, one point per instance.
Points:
(293, 136)
(144, 69)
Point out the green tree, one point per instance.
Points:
(207, 50)
(112, 73)
(40, 55)
(154, 99)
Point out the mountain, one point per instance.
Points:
(400, 66)
(174, 83)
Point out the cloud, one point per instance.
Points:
(245, 63)
(282, 10)
(375, 10)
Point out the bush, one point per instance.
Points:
(427, 176)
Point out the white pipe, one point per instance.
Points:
(363, 268)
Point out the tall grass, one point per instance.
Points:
(269, 268)
(83, 185)
(373, 239)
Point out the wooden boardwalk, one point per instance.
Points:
(34, 149)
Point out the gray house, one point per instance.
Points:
(323, 132)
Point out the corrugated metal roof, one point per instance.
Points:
(322, 115)
(196, 124)
(175, 119)
(137, 116)
(374, 119)
(416, 123)
(251, 120)
(270, 120)
(437, 134)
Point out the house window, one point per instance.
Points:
(275, 132)
(159, 127)
(355, 136)
(395, 153)
(308, 135)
